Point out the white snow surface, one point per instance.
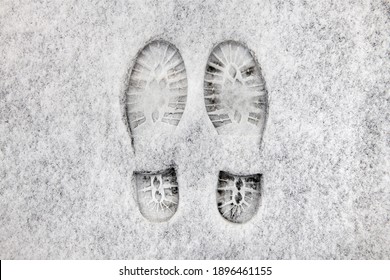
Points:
(66, 156)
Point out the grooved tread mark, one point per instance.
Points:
(238, 197)
(234, 89)
(157, 92)
(158, 194)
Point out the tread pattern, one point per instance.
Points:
(157, 92)
(234, 90)
(158, 194)
(238, 197)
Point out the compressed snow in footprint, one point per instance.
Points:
(234, 89)
(158, 194)
(157, 91)
(238, 197)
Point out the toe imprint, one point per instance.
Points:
(234, 88)
(157, 92)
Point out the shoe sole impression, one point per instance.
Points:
(157, 90)
(155, 100)
(235, 95)
(157, 194)
(238, 197)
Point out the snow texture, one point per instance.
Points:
(67, 158)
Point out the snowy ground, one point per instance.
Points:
(66, 158)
